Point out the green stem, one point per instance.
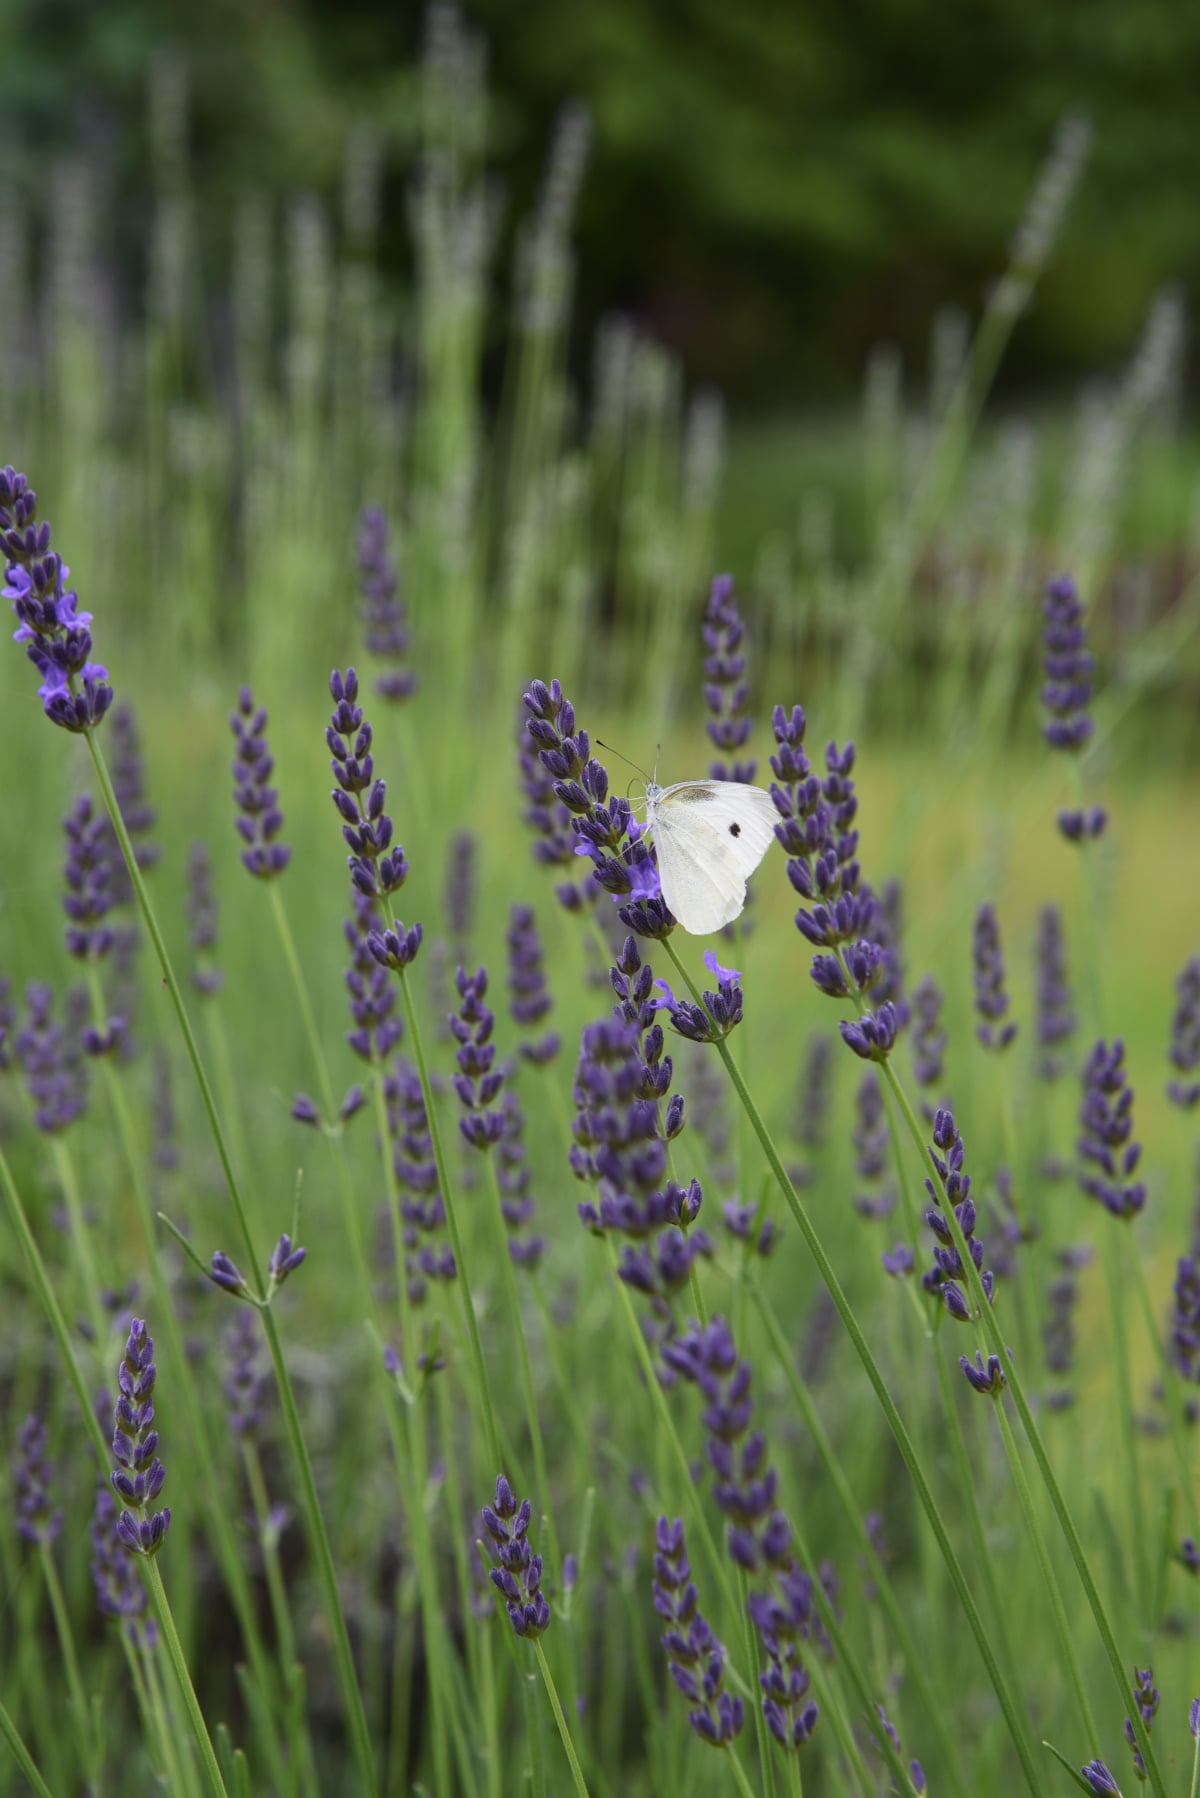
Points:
(318, 1536)
(531, 1411)
(22, 1756)
(739, 1772)
(760, 1723)
(1194, 1792)
(560, 1720)
(80, 1236)
(887, 1403)
(456, 1242)
(183, 1679)
(1015, 1386)
(66, 1642)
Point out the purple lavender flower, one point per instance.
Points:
(256, 799)
(758, 1536)
(873, 1036)
(74, 690)
(422, 1210)
(1146, 1697)
(513, 1178)
(1185, 1321)
(284, 1260)
(871, 1150)
(603, 829)
(991, 999)
(1056, 1018)
(1059, 1335)
(384, 620)
(916, 1771)
(986, 1377)
(1106, 1117)
(247, 1382)
(720, 1013)
(478, 1081)
(87, 875)
(1194, 1719)
(1185, 1037)
(376, 868)
(947, 1276)
(460, 890)
(725, 687)
(119, 1588)
(517, 1575)
(372, 996)
(928, 1041)
(529, 998)
(899, 1261)
(1100, 1779)
(1066, 695)
(810, 1117)
(139, 1475)
(695, 1658)
(554, 841)
(36, 1521)
(201, 906)
(129, 784)
(54, 1069)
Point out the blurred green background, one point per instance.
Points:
(774, 189)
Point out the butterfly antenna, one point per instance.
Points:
(636, 766)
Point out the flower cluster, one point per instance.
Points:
(604, 828)
(1146, 1696)
(513, 1178)
(1108, 1156)
(256, 799)
(1056, 1017)
(1058, 1331)
(518, 1573)
(1066, 695)
(871, 1150)
(725, 686)
(36, 1521)
(529, 999)
(1185, 1321)
(478, 1081)
(55, 1073)
(838, 914)
(548, 818)
(916, 1771)
(139, 1475)
(376, 868)
(947, 1275)
(991, 998)
(74, 692)
(87, 875)
(695, 1658)
(1100, 1779)
(120, 1591)
(372, 996)
(422, 1209)
(1185, 1037)
(202, 920)
(719, 1013)
(758, 1535)
(385, 624)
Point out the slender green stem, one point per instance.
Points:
(303, 1000)
(318, 1535)
(559, 1718)
(1066, 1640)
(22, 1756)
(66, 1642)
(739, 1772)
(914, 1660)
(183, 1679)
(1194, 1791)
(456, 1242)
(895, 1422)
(760, 1725)
(1016, 1387)
(80, 1236)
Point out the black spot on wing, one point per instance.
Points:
(735, 830)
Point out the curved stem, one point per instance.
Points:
(560, 1720)
(887, 1403)
(183, 1679)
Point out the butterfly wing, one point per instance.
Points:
(710, 836)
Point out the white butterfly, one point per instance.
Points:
(710, 836)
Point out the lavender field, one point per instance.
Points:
(460, 1331)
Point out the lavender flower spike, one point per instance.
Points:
(695, 1658)
(725, 685)
(1056, 1017)
(1146, 1696)
(478, 1082)
(947, 1276)
(1067, 693)
(139, 1475)
(36, 1522)
(202, 920)
(1106, 1117)
(529, 998)
(991, 998)
(376, 868)
(74, 692)
(385, 624)
(518, 1573)
(120, 1591)
(1185, 1037)
(256, 799)
(87, 874)
(1101, 1780)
